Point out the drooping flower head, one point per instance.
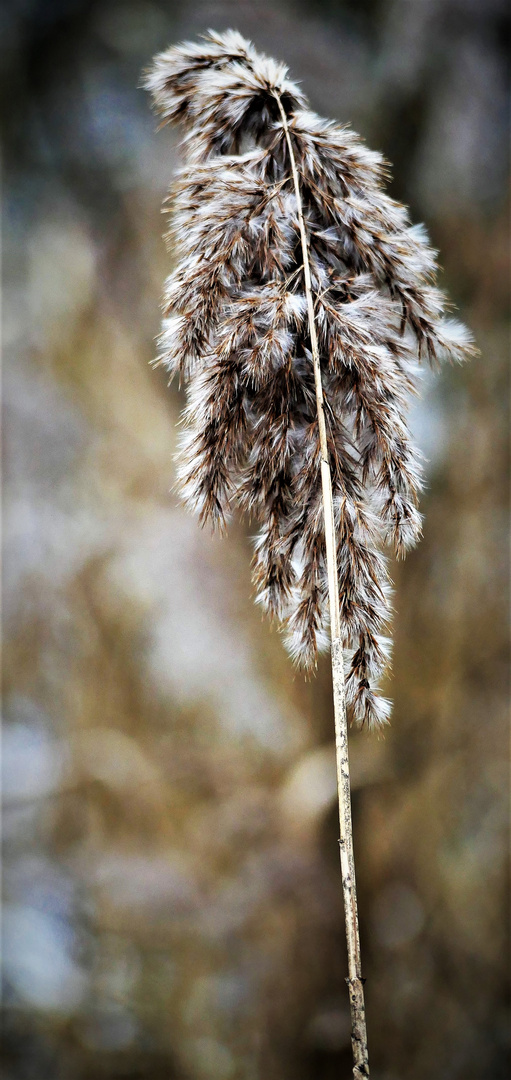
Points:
(236, 331)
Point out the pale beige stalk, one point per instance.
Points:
(355, 980)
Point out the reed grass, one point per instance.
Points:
(302, 302)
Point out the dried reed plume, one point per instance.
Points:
(299, 307)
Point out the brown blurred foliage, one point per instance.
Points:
(172, 903)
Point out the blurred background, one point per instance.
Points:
(172, 902)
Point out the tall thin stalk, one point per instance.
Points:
(349, 885)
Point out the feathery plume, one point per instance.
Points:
(235, 329)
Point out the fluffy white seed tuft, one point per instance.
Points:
(236, 330)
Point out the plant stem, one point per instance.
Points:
(355, 980)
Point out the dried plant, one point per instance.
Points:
(299, 307)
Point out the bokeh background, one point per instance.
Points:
(172, 904)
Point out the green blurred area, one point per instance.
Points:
(172, 902)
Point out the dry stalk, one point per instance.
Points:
(349, 886)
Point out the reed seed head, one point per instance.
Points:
(236, 331)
